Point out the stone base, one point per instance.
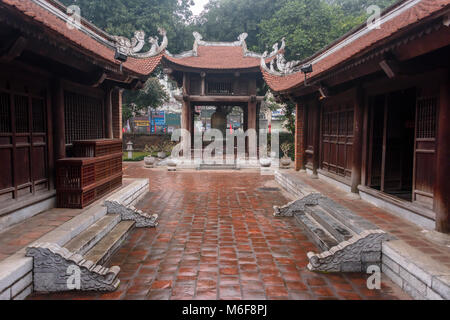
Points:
(297, 206)
(55, 269)
(130, 213)
(354, 255)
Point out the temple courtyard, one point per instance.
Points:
(217, 238)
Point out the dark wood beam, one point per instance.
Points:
(390, 68)
(225, 99)
(15, 50)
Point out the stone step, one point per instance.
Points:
(329, 223)
(91, 236)
(322, 238)
(350, 220)
(218, 167)
(105, 248)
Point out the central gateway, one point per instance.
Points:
(224, 75)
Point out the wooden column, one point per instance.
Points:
(357, 139)
(109, 134)
(203, 84)
(316, 139)
(59, 127)
(117, 113)
(299, 137)
(442, 185)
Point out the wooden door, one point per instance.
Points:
(23, 141)
(337, 139)
(425, 149)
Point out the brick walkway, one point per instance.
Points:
(20, 235)
(218, 239)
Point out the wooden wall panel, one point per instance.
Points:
(425, 148)
(23, 137)
(337, 136)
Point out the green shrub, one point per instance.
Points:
(137, 156)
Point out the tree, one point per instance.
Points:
(124, 17)
(307, 25)
(153, 95)
(224, 20)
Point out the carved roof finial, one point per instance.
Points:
(132, 47)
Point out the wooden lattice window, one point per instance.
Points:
(220, 88)
(83, 117)
(426, 118)
(39, 114)
(5, 113)
(21, 112)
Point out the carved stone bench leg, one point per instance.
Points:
(55, 269)
(354, 255)
(130, 213)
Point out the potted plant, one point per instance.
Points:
(264, 160)
(149, 161)
(286, 160)
(162, 154)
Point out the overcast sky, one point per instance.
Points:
(199, 4)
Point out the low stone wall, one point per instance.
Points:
(141, 140)
(16, 278)
(292, 185)
(421, 277)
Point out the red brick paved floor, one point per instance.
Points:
(218, 239)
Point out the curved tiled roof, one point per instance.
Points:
(342, 51)
(217, 57)
(80, 39)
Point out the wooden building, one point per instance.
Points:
(373, 116)
(59, 83)
(220, 74)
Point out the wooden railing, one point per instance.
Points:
(82, 180)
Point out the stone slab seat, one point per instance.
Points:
(316, 232)
(92, 235)
(349, 242)
(106, 247)
(56, 269)
(339, 231)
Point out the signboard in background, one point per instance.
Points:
(158, 118)
(158, 122)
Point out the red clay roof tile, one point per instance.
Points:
(81, 40)
(217, 57)
(420, 11)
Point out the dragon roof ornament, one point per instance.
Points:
(132, 47)
(283, 67)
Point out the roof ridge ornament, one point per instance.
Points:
(283, 67)
(131, 48)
